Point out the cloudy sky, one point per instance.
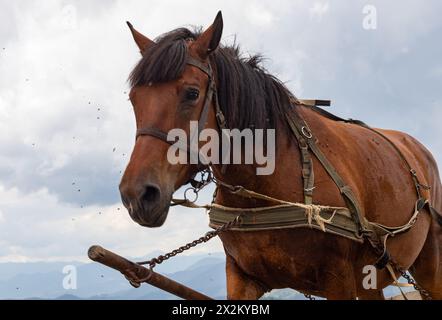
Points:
(67, 128)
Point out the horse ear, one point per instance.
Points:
(210, 39)
(142, 41)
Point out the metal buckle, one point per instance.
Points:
(306, 132)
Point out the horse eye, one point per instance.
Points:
(192, 94)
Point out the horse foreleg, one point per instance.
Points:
(239, 285)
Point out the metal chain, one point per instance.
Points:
(197, 186)
(309, 297)
(424, 293)
(207, 237)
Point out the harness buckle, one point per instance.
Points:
(306, 132)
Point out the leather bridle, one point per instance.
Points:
(202, 122)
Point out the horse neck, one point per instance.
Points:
(284, 183)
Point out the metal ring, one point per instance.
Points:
(306, 132)
(194, 192)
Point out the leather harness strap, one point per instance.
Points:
(337, 221)
(299, 127)
(154, 132)
(308, 174)
(209, 94)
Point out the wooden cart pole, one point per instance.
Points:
(137, 274)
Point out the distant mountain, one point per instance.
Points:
(45, 280)
(68, 297)
(205, 273)
(9, 270)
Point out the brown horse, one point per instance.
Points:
(167, 93)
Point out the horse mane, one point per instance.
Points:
(248, 95)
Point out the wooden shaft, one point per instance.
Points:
(313, 103)
(136, 271)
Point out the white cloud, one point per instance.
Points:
(259, 15)
(65, 66)
(436, 72)
(36, 226)
(318, 10)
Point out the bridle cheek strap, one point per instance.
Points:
(161, 135)
(202, 122)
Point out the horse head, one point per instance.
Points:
(167, 93)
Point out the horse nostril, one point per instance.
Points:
(124, 196)
(125, 201)
(151, 195)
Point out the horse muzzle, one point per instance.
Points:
(147, 204)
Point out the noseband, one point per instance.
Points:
(202, 122)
